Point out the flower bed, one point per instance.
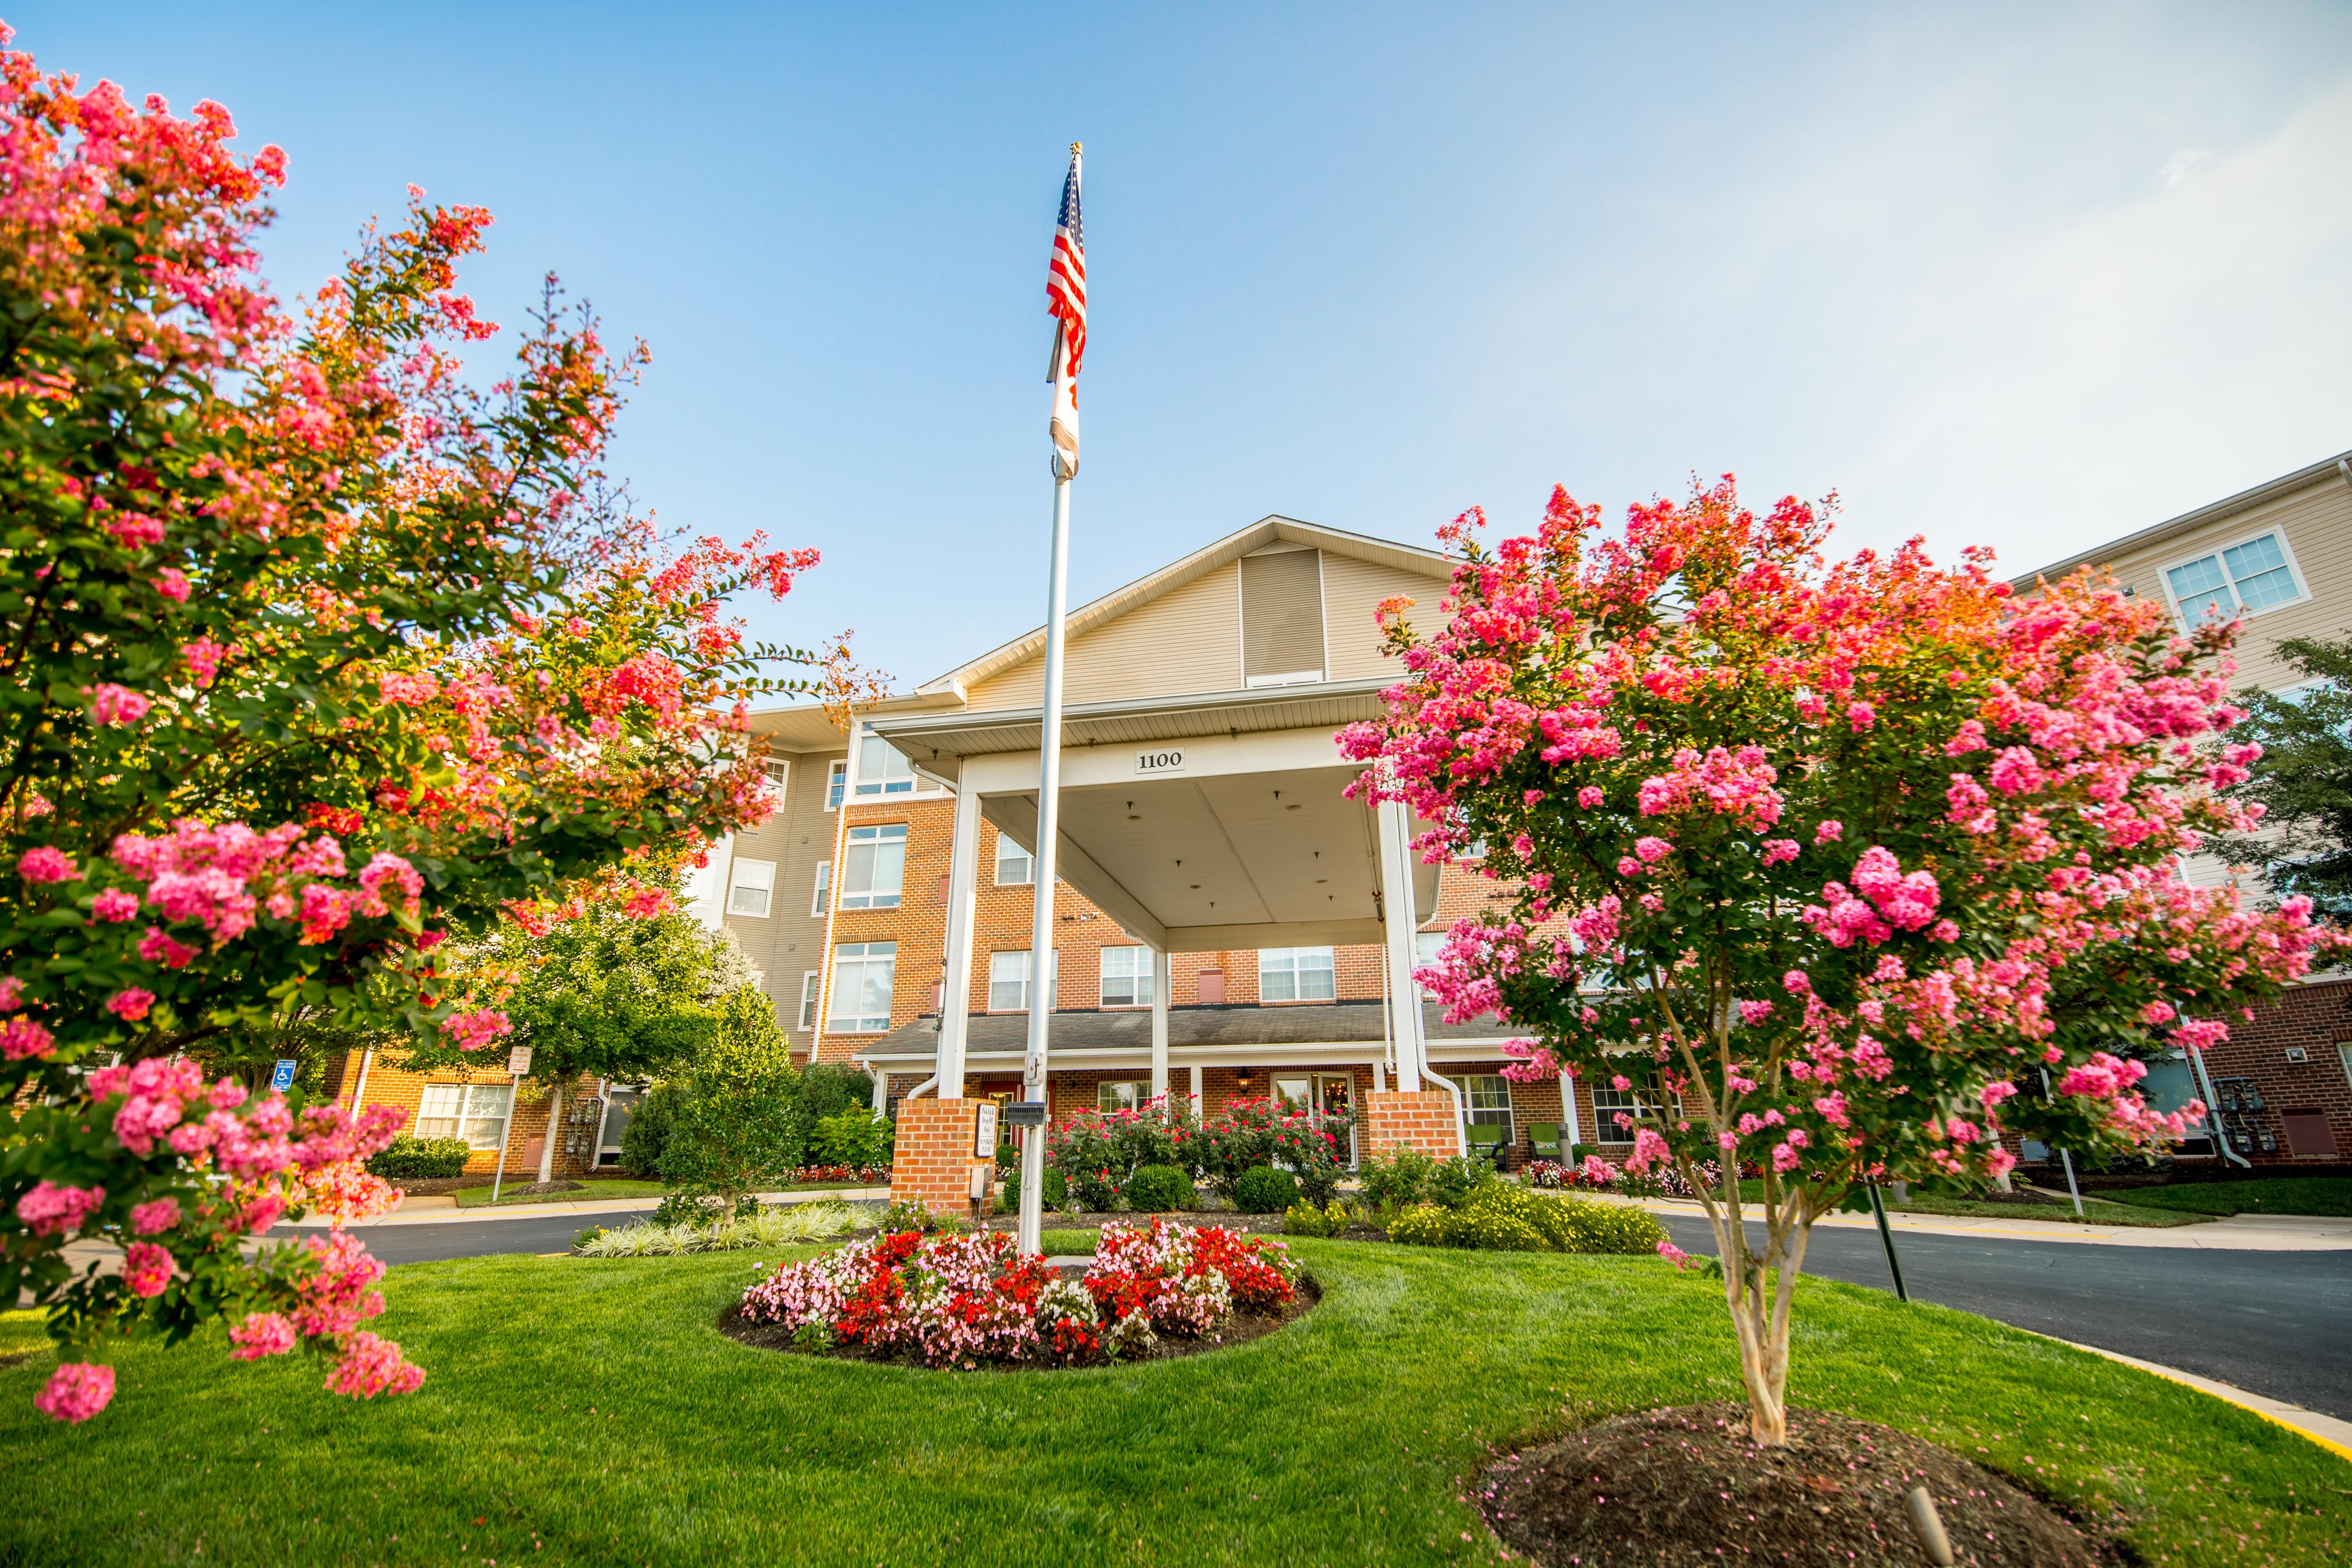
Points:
(963, 1301)
(846, 1175)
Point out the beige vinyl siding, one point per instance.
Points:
(2317, 523)
(1352, 592)
(1186, 640)
(790, 940)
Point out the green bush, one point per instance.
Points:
(1397, 1180)
(1057, 1190)
(1422, 1225)
(421, 1159)
(586, 1236)
(737, 1126)
(828, 1088)
(649, 1131)
(1457, 1180)
(1303, 1218)
(1505, 1217)
(1158, 1189)
(1611, 1228)
(852, 1136)
(1261, 1189)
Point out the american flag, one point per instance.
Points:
(1066, 300)
(1066, 276)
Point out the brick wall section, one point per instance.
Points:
(388, 1085)
(2317, 1019)
(933, 1161)
(1422, 1120)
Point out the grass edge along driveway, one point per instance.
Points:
(585, 1411)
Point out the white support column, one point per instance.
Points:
(1411, 1051)
(1197, 1111)
(1162, 972)
(1567, 1131)
(955, 981)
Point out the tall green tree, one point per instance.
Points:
(2305, 777)
(739, 1123)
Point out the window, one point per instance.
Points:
(474, 1111)
(1608, 1101)
(1282, 615)
(1295, 1093)
(749, 885)
(863, 975)
(1122, 1096)
(2251, 577)
(1424, 954)
(808, 998)
(822, 899)
(1294, 975)
(1487, 1099)
(836, 782)
(875, 864)
(1127, 977)
(1014, 869)
(1008, 982)
(882, 768)
(779, 772)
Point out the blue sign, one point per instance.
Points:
(282, 1077)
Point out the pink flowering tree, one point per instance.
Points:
(312, 655)
(1827, 863)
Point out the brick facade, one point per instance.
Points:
(933, 1160)
(1421, 1120)
(2316, 1021)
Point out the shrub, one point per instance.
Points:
(911, 1214)
(421, 1159)
(649, 1131)
(1612, 1227)
(1160, 1189)
(1303, 1218)
(586, 1236)
(1261, 1189)
(737, 1126)
(1098, 1151)
(1312, 1146)
(1397, 1179)
(853, 1137)
(1238, 1139)
(762, 1228)
(1505, 1217)
(1058, 1189)
(1457, 1180)
(828, 1088)
(1422, 1225)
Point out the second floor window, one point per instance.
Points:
(1296, 975)
(1008, 982)
(836, 782)
(1127, 977)
(863, 974)
(2250, 577)
(822, 899)
(1014, 869)
(874, 867)
(749, 884)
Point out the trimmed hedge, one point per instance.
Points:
(421, 1159)
(1509, 1218)
(1158, 1189)
(1261, 1189)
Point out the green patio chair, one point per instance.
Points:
(1543, 1140)
(1486, 1140)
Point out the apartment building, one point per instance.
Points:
(2280, 556)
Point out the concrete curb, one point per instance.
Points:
(2238, 1232)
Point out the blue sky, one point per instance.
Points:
(2029, 276)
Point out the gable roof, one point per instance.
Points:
(1271, 529)
(2328, 468)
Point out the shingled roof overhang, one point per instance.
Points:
(1084, 1039)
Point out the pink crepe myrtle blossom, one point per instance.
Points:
(1673, 1255)
(76, 1391)
(472, 1031)
(1829, 833)
(263, 1335)
(1861, 716)
(1652, 850)
(1777, 850)
(113, 704)
(172, 583)
(23, 1039)
(115, 906)
(1591, 796)
(11, 993)
(155, 1217)
(46, 864)
(146, 1268)
(1755, 1011)
(53, 1210)
(373, 1365)
(130, 1003)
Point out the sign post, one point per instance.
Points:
(517, 1064)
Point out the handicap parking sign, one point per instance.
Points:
(281, 1079)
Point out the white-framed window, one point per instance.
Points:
(474, 1111)
(1296, 975)
(1008, 982)
(882, 768)
(1127, 977)
(1124, 1096)
(874, 867)
(863, 975)
(1015, 866)
(821, 899)
(809, 978)
(779, 774)
(1295, 1093)
(2245, 578)
(1608, 1099)
(1487, 1097)
(1425, 945)
(749, 884)
(836, 783)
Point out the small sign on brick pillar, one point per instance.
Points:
(1422, 1120)
(933, 1161)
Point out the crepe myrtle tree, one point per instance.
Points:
(1827, 863)
(311, 654)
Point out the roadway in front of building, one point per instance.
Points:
(2278, 1323)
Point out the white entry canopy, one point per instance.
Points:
(1199, 823)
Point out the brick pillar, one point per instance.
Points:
(1422, 1120)
(933, 1161)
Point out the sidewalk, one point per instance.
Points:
(2240, 1233)
(443, 1209)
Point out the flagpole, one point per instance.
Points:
(1049, 801)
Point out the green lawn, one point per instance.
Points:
(588, 1412)
(589, 1193)
(2328, 1196)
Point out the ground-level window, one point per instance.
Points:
(1607, 1102)
(619, 1104)
(1296, 975)
(1124, 1096)
(1127, 977)
(1008, 982)
(863, 975)
(1487, 1097)
(1298, 1093)
(749, 883)
(474, 1111)
(808, 998)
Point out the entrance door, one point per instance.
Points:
(619, 1104)
(1334, 1095)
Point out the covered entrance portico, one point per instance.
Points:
(1199, 823)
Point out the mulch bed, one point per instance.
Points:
(1237, 1330)
(1687, 1486)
